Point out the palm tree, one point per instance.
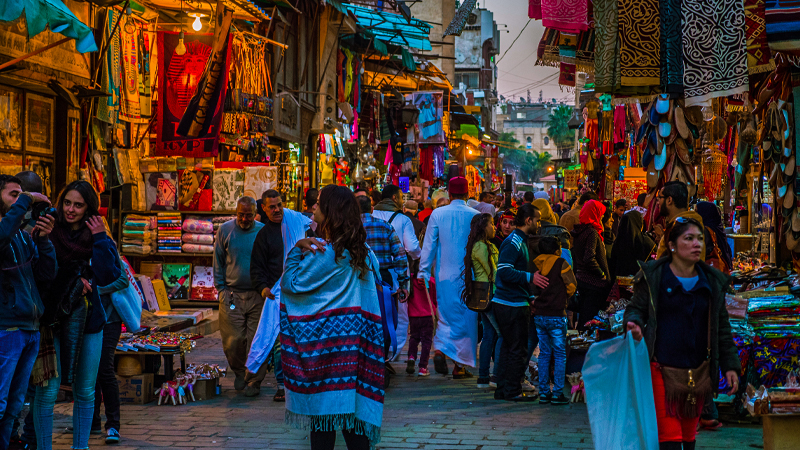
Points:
(558, 129)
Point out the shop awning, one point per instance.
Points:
(393, 28)
(41, 14)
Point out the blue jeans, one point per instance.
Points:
(82, 391)
(552, 333)
(18, 350)
(490, 344)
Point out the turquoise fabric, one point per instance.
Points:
(393, 28)
(39, 14)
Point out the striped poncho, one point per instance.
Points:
(331, 344)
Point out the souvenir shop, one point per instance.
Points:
(707, 96)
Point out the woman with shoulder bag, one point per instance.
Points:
(686, 298)
(87, 259)
(480, 266)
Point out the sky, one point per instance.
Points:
(517, 71)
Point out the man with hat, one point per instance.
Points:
(445, 248)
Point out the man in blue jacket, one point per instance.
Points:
(25, 260)
(511, 304)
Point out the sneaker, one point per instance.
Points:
(112, 437)
(492, 382)
(252, 391)
(440, 363)
(410, 366)
(560, 400)
(545, 398)
(483, 383)
(423, 372)
(527, 386)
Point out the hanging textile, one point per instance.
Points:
(565, 15)
(714, 52)
(460, 19)
(145, 88)
(130, 100)
(107, 107)
(535, 9)
(783, 25)
(178, 77)
(547, 54)
(759, 56)
(584, 54)
(671, 47)
(606, 50)
(639, 48)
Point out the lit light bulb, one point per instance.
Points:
(197, 25)
(180, 50)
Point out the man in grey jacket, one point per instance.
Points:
(26, 259)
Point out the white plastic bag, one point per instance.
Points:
(619, 395)
(128, 302)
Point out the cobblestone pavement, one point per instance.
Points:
(420, 413)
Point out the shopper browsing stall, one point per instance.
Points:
(590, 264)
(678, 306)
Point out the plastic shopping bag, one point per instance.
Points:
(619, 395)
(128, 301)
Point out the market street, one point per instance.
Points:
(420, 413)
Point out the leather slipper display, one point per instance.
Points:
(694, 115)
(680, 123)
(652, 176)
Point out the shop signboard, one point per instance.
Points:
(286, 120)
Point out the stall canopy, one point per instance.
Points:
(40, 14)
(393, 28)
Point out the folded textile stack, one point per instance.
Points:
(139, 234)
(775, 317)
(169, 232)
(198, 235)
(219, 220)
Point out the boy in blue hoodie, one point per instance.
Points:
(511, 305)
(25, 259)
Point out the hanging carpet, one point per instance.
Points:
(639, 37)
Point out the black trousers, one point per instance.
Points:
(107, 388)
(591, 299)
(513, 322)
(326, 440)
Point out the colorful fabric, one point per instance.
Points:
(258, 179)
(192, 238)
(197, 248)
(566, 75)
(198, 226)
(783, 24)
(108, 107)
(383, 241)
(759, 56)
(671, 47)
(714, 52)
(535, 9)
(227, 187)
(547, 54)
(606, 50)
(640, 46)
(331, 383)
(161, 191)
(773, 359)
(130, 101)
(569, 16)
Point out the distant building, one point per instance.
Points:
(475, 81)
(528, 122)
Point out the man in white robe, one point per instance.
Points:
(443, 256)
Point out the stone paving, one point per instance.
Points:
(420, 413)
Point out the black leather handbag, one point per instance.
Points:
(480, 299)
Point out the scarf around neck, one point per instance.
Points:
(386, 204)
(72, 245)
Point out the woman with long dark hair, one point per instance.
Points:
(718, 252)
(328, 289)
(480, 264)
(678, 306)
(87, 259)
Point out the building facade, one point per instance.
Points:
(528, 122)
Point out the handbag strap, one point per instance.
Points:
(709, 327)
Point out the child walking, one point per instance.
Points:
(550, 310)
(421, 317)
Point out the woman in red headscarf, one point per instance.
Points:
(590, 263)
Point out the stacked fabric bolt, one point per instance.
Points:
(169, 232)
(139, 234)
(198, 235)
(775, 317)
(219, 220)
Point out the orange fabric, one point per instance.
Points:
(670, 429)
(592, 213)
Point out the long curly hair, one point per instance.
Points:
(477, 233)
(342, 226)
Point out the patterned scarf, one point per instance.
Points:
(639, 37)
(606, 50)
(551, 53)
(714, 52)
(565, 15)
(671, 47)
(759, 56)
(783, 24)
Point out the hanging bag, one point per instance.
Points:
(128, 301)
(480, 299)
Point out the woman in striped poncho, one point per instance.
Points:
(331, 332)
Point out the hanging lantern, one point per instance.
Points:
(714, 164)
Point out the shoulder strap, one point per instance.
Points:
(393, 216)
